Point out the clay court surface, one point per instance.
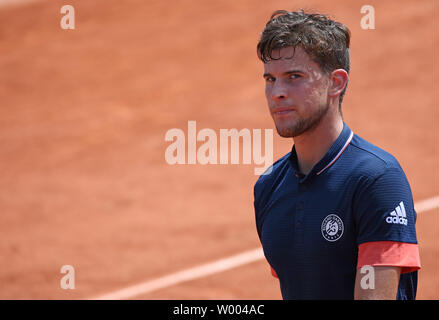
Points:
(83, 118)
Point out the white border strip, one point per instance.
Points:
(216, 266)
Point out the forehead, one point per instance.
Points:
(291, 58)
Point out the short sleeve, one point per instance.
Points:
(385, 222)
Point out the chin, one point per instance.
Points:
(287, 132)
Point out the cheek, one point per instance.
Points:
(269, 93)
(317, 92)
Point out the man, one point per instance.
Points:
(336, 209)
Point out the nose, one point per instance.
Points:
(278, 92)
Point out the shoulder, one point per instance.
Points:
(271, 176)
(273, 171)
(377, 174)
(371, 161)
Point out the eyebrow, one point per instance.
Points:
(286, 73)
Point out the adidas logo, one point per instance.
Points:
(398, 216)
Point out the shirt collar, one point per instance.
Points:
(334, 152)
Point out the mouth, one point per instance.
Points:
(280, 111)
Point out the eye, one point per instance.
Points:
(295, 76)
(270, 79)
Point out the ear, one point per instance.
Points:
(338, 81)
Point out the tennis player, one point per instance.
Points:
(336, 205)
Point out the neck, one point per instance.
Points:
(312, 145)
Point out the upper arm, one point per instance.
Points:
(377, 283)
(385, 222)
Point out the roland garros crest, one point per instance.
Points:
(332, 228)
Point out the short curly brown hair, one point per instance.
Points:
(324, 40)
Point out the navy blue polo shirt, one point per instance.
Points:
(354, 208)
